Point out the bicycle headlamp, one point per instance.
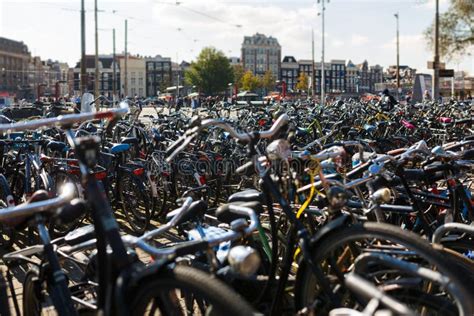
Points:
(244, 260)
(279, 149)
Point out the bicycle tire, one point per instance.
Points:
(4, 304)
(305, 279)
(31, 301)
(60, 178)
(7, 233)
(222, 299)
(135, 206)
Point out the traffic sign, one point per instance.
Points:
(446, 73)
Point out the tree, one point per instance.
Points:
(302, 83)
(456, 30)
(239, 72)
(211, 72)
(268, 81)
(250, 82)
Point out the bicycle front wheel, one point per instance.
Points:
(337, 252)
(185, 290)
(135, 202)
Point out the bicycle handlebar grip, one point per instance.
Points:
(468, 154)
(441, 167)
(244, 168)
(190, 247)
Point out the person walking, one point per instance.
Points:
(388, 101)
(426, 96)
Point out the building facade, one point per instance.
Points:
(261, 54)
(352, 78)
(364, 77)
(376, 76)
(158, 75)
(177, 75)
(14, 67)
(289, 72)
(235, 61)
(136, 69)
(106, 73)
(334, 75)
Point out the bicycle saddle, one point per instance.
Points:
(40, 195)
(119, 148)
(196, 210)
(250, 195)
(80, 235)
(224, 214)
(129, 140)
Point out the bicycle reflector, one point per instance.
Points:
(138, 171)
(101, 175)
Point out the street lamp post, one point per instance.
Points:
(313, 75)
(83, 49)
(436, 56)
(398, 57)
(114, 76)
(126, 60)
(323, 80)
(97, 75)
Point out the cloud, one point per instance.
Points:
(337, 43)
(359, 39)
(414, 40)
(153, 27)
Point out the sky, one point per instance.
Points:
(355, 29)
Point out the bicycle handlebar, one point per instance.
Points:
(184, 141)
(64, 119)
(28, 209)
(180, 212)
(197, 244)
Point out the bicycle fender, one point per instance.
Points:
(340, 221)
(151, 271)
(47, 180)
(9, 200)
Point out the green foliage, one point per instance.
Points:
(239, 72)
(456, 30)
(250, 82)
(211, 72)
(268, 80)
(302, 83)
